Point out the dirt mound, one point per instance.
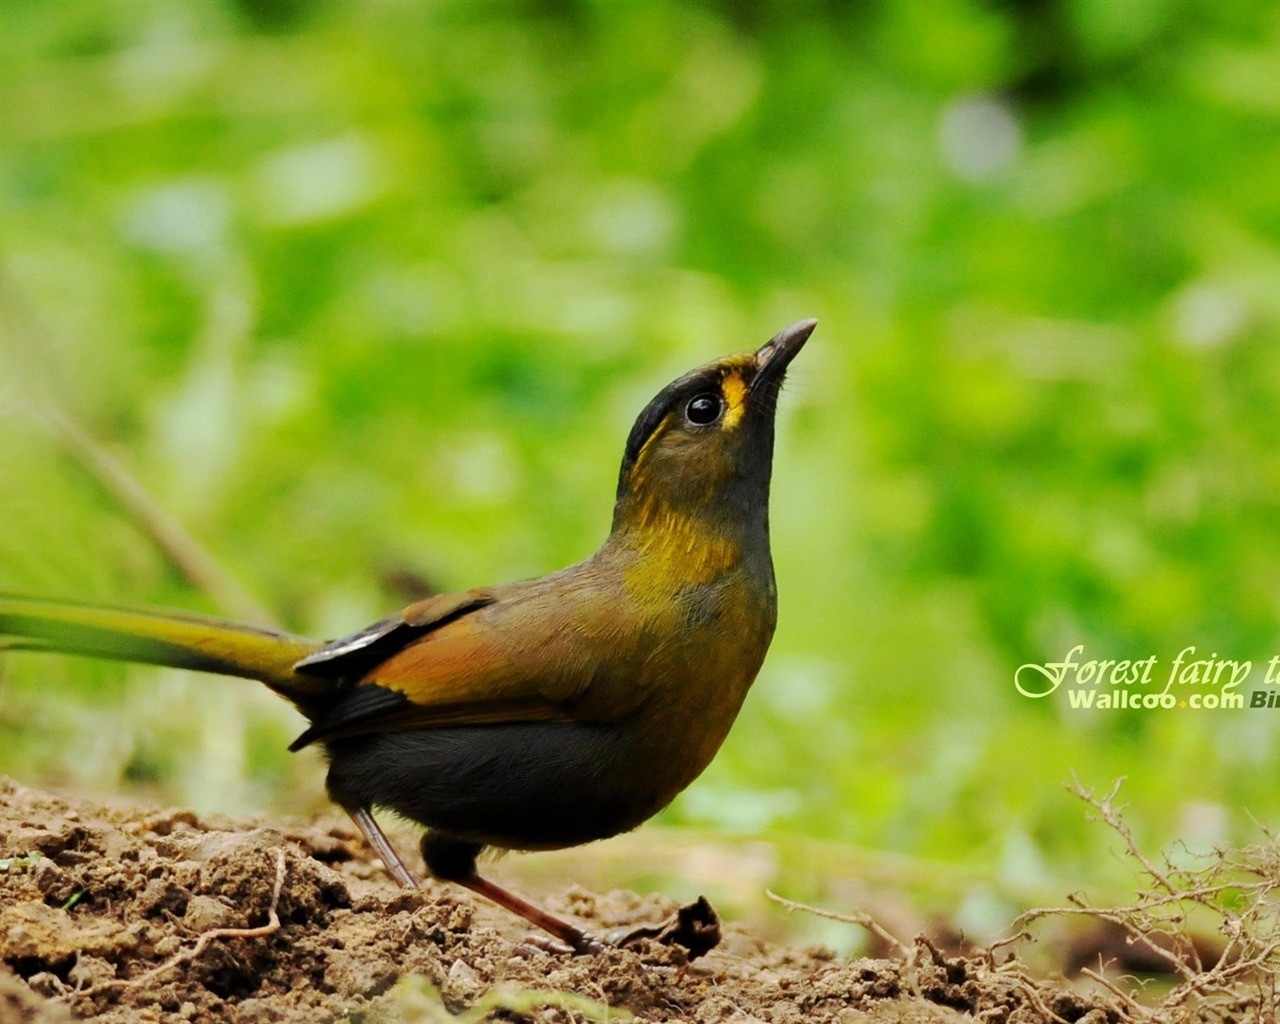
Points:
(121, 914)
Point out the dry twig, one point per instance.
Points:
(1239, 889)
(862, 920)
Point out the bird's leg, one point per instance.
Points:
(696, 927)
(376, 838)
(454, 860)
(575, 938)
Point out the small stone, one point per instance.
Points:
(205, 913)
(89, 971)
(46, 984)
(167, 946)
(461, 987)
(55, 885)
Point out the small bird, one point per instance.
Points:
(539, 714)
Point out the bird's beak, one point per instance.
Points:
(774, 355)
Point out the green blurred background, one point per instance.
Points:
(365, 298)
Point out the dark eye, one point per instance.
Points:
(703, 409)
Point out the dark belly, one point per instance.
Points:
(526, 786)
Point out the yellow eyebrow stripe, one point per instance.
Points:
(734, 389)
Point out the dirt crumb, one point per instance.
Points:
(121, 914)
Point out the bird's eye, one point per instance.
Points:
(704, 409)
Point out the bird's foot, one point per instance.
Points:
(585, 944)
(695, 928)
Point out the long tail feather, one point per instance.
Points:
(175, 639)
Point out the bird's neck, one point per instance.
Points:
(688, 545)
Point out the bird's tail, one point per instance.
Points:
(175, 639)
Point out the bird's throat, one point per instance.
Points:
(668, 549)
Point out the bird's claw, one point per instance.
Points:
(583, 944)
(588, 945)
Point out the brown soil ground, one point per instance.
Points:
(121, 914)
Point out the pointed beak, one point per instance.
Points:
(774, 356)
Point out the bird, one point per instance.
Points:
(539, 714)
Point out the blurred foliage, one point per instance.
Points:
(366, 295)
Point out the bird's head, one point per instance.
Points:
(702, 450)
